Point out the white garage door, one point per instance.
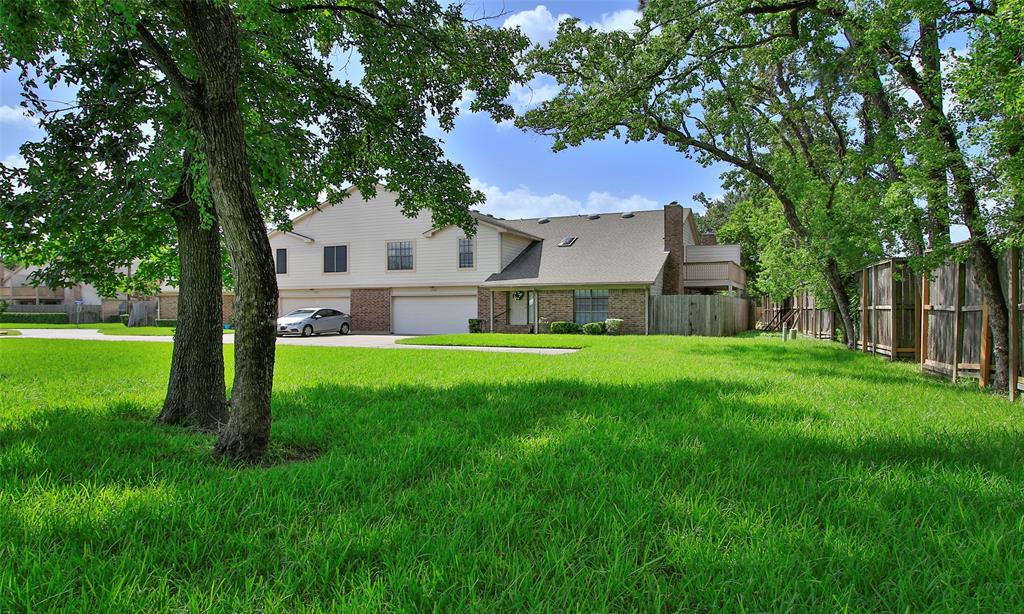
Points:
(432, 315)
(290, 303)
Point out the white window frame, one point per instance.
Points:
(387, 245)
(348, 259)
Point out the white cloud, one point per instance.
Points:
(538, 90)
(15, 116)
(15, 161)
(538, 23)
(522, 202)
(541, 25)
(619, 20)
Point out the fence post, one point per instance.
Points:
(893, 337)
(958, 319)
(926, 295)
(864, 310)
(1013, 274)
(985, 362)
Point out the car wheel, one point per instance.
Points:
(344, 328)
(307, 331)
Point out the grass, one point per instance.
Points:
(99, 326)
(639, 474)
(107, 328)
(508, 340)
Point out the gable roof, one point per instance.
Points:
(609, 250)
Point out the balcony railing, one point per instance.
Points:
(706, 274)
(30, 293)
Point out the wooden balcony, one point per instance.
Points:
(28, 293)
(726, 275)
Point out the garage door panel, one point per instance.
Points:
(432, 315)
(288, 304)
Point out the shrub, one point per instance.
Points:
(565, 328)
(594, 328)
(476, 325)
(35, 318)
(613, 326)
(124, 319)
(3, 305)
(114, 319)
(170, 323)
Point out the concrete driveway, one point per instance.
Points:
(341, 341)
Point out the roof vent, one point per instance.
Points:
(543, 220)
(567, 241)
(627, 215)
(593, 216)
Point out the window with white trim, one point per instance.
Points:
(400, 256)
(466, 254)
(282, 261)
(336, 259)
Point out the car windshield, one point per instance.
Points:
(300, 312)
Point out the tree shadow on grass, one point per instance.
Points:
(550, 493)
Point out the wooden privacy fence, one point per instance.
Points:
(954, 321)
(889, 319)
(698, 314)
(811, 319)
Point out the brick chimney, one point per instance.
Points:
(673, 275)
(708, 238)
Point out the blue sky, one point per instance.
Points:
(517, 171)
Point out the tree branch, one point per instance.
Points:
(167, 65)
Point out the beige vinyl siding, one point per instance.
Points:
(367, 227)
(712, 253)
(511, 246)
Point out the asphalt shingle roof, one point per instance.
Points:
(608, 250)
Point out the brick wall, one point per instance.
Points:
(371, 310)
(169, 307)
(554, 306)
(673, 273)
(227, 307)
(630, 306)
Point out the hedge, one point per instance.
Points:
(613, 326)
(476, 325)
(594, 328)
(565, 328)
(167, 323)
(124, 319)
(35, 318)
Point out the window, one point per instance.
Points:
(466, 253)
(400, 256)
(590, 306)
(282, 261)
(336, 259)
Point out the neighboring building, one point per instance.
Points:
(22, 296)
(402, 275)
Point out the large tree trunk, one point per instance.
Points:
(842, 298)
(195, 391)
(214, 36)
(937, 212)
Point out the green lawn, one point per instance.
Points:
(639, 474)
(100, 326)
(506, 340)
(107, 328)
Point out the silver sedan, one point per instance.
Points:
(314, 320)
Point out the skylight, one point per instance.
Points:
(567, 241)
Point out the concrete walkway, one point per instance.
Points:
(342, 341)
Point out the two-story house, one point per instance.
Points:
(402, 275)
